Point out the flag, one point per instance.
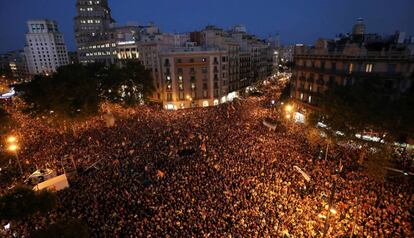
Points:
(160, 174)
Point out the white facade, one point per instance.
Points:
(45, 47)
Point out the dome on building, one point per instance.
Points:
(359, 27)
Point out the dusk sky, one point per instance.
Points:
(297, 21)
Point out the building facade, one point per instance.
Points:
(94, 39)
(192, 77)
(344, 60)
(242, 58)
(15, 63)
(45, 47)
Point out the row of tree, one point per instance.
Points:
(22, 202)
(77, 90)
(366, 107)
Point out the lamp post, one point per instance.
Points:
(331, 210)
(13, 147)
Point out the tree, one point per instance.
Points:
(76, 91)
(71, 92)
(22, 202)
(368, 107)
(64, 229)
(129, 84)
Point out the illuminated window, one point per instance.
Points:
(368, 68)
(310, 99)
(351, 68)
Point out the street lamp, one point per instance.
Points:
(11, 139)
(288, 108)
(12, 147)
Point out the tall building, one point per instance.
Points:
(45, 47)
(346, 59)
(92, 30)
(192, 77)
(241, 62)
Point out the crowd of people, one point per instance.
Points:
(209, 172)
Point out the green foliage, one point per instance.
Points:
(69, 229)
(78, 90)
(368, 105)
(128, 85)
(72, 91)
(22, 202)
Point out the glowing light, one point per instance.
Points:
(13, 148)
(11, 139)
(288, 108)
(288, 116)
(321, 216)
(333, 211)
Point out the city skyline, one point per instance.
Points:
(315, 19)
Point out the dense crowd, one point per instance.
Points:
(210, 172)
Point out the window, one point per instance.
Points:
(351, 68)
(368, 68)
(169, 96)
(333, 66)
(310, 99)
(392, 68)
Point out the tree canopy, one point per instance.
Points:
(64, 229)
(77, 90)
(22, 202)
(368, 106)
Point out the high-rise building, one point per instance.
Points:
(92, 30)
(45, 47)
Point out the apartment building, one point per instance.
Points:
(192, 77)
(344, 60)
(45, 47)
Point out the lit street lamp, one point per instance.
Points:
(288, 108)
(12, 147)
(11, 139)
